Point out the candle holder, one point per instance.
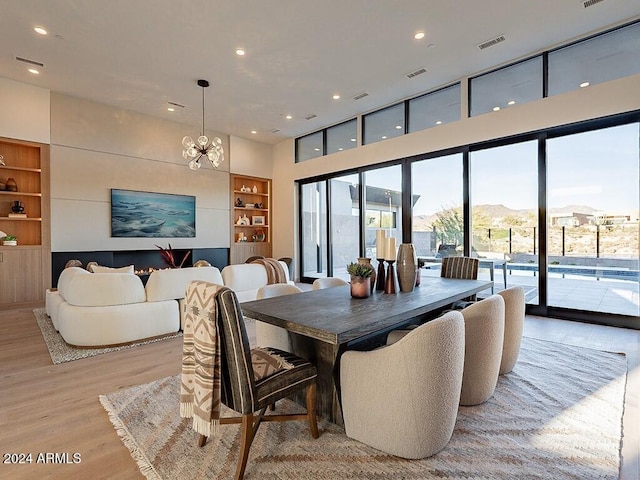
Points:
(390, 284)
(380, 277)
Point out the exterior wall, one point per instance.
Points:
(618, 96)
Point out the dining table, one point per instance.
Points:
(325, 323)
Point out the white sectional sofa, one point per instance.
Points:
(100, 309)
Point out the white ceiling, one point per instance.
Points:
(141, 54)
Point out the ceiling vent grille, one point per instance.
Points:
(590, 3)
(415, 73)
(309, 117)
(492, 42)
(361, 95)
(274, 130)
(30, 62)
(175, 104)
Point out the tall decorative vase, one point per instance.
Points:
(407, 267)
(367, 261)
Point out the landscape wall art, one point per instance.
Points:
(148, 214)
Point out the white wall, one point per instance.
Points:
(596, 101)
(24, 111)
(95, 148)
(250, 158)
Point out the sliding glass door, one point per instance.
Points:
(313, 215)
(593, 204)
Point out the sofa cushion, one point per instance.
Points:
(104, 289)
(65, 278)
(171, 283)
(102, 269)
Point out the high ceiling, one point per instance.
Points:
(142, 54)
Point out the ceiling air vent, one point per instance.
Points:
(361, 95)
(274, 130)
(309, 117)
(415, 73)
(175, 104)
(590, 3)
(30, 62)
(492, 42)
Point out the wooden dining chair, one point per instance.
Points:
(252, 380)
(465, 268)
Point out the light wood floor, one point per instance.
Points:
(47, 408)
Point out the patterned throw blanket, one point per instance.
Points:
(201, 383)
(275, 270)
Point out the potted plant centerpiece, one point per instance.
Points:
(360, 279)
(10, 240)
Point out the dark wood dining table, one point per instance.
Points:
(325, 323)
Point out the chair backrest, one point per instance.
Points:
(255, 257)
(238, 384)
(484, 338)
(277, 290)
(328, 282)
(290, 264)
(514, 311)
(459, 267)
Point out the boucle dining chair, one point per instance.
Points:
(251, 380)
(268, 335)
(403, 398)
(484, 337)
(514, 309)
(328, 282)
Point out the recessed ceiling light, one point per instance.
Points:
(336, 97)
(419, 35)
(171, 109)
(254, 131)
(439, 122)
(398, 127)
(288, 117)
(584, 84)
(240, 52)
(511, 102)
(495, 109)
(34, 71)
(40, 30)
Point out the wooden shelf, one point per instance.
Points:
(251, 208)
(240, 251)
(20, 169)
(21, 219)
(20, 194)
(240, 192)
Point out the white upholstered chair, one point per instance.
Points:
(514, 308)
(328, 282)
(403, 398)
(484, 337)
(268, 335)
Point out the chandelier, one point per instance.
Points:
(194, 151)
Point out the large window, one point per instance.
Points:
(342, 137)
(599, 59)
(437, 217)
(310, 146)
(383, 205)
(512, 85)
(314, 230)
(345, 223)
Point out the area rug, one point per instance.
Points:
(557, 415)
(60, 352)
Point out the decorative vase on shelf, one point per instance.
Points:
(407, 267)
(11, 185)
(360, 287)
(367, 261)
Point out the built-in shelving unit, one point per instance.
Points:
(25, 269)
(251, 217)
